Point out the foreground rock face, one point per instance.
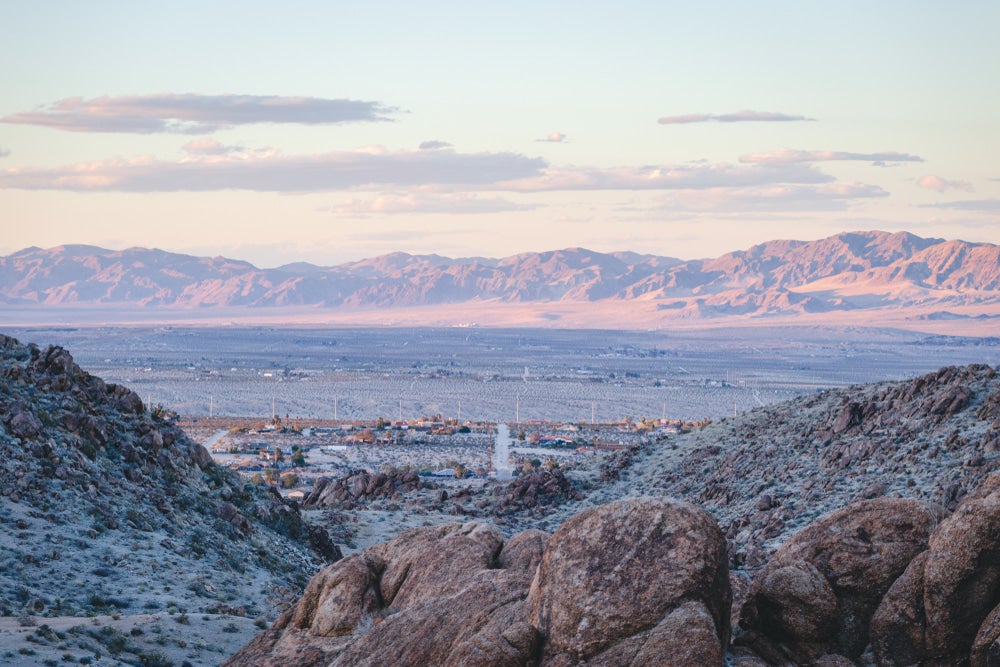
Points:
(622, 578)
(817, 595)
(645, 582)
(944, 609)
(625, 583)
(882, 582)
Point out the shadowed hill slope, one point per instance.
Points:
(107, 507)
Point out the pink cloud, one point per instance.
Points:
(776, 198)
(451, 204)
(745, 116)
(977, 205)
(194, 114)
(554, 137)
(209, 147)
(433, 145)
(664, 177)
(269, 171)
(939, 184)
(790, 156)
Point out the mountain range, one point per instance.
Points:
(850, 271)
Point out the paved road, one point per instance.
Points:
(502, 467)
(218, 435)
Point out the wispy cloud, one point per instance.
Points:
(665, 177)
(211, 166)
(209, 147)
(938, 184)
(745, 116)
(4, 152)
(433, 145)
(451, 204)
(790, 156)
(978, 205)
(275, 172)
(775, 198)
(555, 138)
(195, 114)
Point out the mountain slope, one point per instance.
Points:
(109, 508)
(849, 271)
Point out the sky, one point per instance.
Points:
(333, 131)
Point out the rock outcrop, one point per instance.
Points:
(817, 594)
(624, 583)
(99, 493)
(774, 470)
(883, 582)
(645, 581)
(621, 577)
(944, 608)
(537, 490)
(360, 486)
(436, 595)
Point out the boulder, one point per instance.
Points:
(431, 562)
(942, 609)
(641, 582)
(524, 551)
(413, 600)
(480, 625)
(817, 594)
(619, 570)
(986, 646)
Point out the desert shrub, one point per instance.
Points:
(154, 659)
(113, 640)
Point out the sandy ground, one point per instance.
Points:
(195, 639)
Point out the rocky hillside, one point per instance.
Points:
(646, 582)
(108, 508)
(850, 527)
(774, 470)
(859, 270)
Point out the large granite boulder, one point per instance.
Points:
(817, 594)
(639, 582)
(415, 600)
(645, 581)
(943, 609)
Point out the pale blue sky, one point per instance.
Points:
(890, 119)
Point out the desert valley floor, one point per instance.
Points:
(498, 374)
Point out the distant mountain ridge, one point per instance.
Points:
(848, 271)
